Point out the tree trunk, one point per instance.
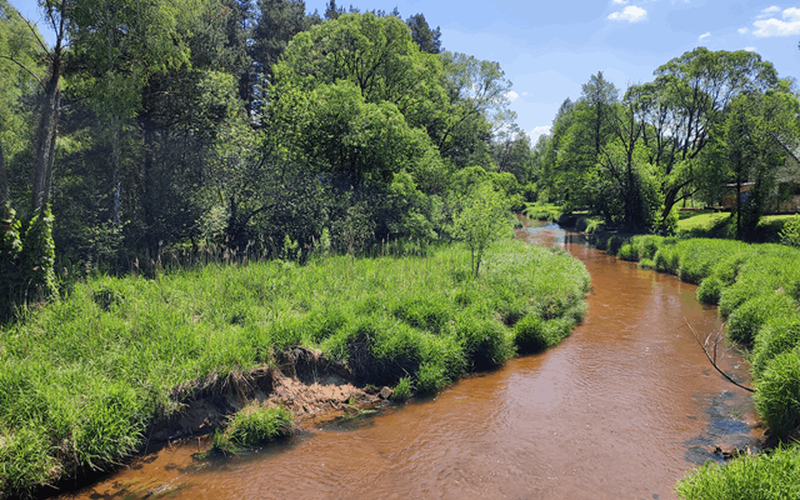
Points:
(46, 134)
(5, 197)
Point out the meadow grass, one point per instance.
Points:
(82, 379)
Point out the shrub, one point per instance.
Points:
(431, 377)
(530, 336)
(254, 425)
(533, 334)
(710, 290)
(428, 313)
(777, 336)
(744, 322)
(666, 260)
(777, 396)
(486, 343)
(38, 257)
(628, 252)
(646, 263)
(790, 234)
(614, 244)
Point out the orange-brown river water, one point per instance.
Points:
(620, 410)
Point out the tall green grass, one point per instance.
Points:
(772, 476)
(82, 379)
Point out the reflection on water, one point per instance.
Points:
(621, 409)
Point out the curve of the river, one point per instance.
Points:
(620, 410)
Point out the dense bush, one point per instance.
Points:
(710, 290)
(746, 321)
(790, 234)
(780, 334)
(777, 395)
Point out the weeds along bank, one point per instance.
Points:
(83, 379)
(757, 289)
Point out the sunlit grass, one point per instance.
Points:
(82, 379)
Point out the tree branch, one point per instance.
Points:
(713, 359)
(39, 80)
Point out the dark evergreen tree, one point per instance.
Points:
(429, 40)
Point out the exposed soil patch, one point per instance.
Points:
(313, 388)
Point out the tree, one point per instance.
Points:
(476, 93)
(749, 147)
(277, 23)
(480, 222)
(429, 40)
(686, 101)
(627, 189)
(587, 127)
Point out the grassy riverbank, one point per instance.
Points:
(757, 289)
(82, 379)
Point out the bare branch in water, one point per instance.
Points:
(714, 339)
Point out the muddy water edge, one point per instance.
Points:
(620, 410)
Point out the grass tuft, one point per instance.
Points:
(253, 426)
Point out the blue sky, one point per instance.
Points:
(548, 49)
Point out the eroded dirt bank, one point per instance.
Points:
(314, 389)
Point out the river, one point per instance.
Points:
(620, 410)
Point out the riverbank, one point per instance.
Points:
(87, 380)
(757, 289)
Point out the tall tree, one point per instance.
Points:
(686, 101)
(429, 40)
(278, 21)
(748, 148)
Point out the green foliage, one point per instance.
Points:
(93, 370)
(403, 390)
(10, 263)
(38, 258)
(628, 252)
(480, 222)
(252, 426)
(710, 290)
(779, 334)
(543, 211)
(790, 234)
(745, 322)
(777, 395)
(486, 343)
(768, 476)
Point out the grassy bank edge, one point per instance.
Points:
(84, 379)
(757, 289)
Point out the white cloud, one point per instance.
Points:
(750, 49)
(631, 13)
(770, 10)
(743, 31)
(512, 96)
(789, 25)
(538, 132)
(619, 2)
(704, 36)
